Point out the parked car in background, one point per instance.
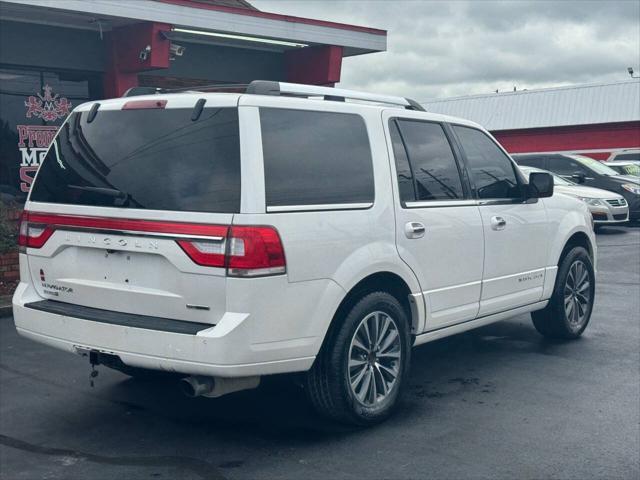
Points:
(625, 167)
(590, 172)
(607, 208)
(632, 154)
(273, 233)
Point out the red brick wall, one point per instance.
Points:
(9, 272)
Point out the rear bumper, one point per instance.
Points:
(236, 346)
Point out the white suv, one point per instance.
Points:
(226, 236)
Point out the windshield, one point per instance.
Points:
(629, 169)
(158, 159)
(595, 166)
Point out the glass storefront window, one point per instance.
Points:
(33, 105)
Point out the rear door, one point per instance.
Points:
(439, 229)
(515, 231)
(131, 200)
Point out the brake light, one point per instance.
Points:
(32, 234)
(254, 251)
(144, 104)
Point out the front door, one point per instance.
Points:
(438, 225)
(515, 231)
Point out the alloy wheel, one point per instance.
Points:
(375, 356)
(577, 294)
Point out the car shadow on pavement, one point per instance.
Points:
(611, 231)
(278, 409)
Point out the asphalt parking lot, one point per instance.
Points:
(498, 402)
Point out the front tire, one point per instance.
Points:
(569, 310)
(358, 376)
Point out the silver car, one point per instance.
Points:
(606, 207)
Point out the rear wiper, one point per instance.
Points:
(109, 192)
(122, 198)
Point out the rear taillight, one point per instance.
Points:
(32, 234)
(254, 251)
(246, 251)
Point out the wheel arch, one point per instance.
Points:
(577, 239)
(386, 281)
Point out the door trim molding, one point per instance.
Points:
(478, 322)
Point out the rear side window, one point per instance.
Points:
(152, 159)
(431, 164)
(406, 184)
(492, 170)
(315, 158)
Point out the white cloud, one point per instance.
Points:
(438, 49)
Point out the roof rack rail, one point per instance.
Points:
(265, 87)
(268, 87)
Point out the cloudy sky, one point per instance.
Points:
(441, 48)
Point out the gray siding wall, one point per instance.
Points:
(225, 64)
(28, 44)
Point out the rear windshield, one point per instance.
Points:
(156, 159)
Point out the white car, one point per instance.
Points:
(607, 208)
(227, 236)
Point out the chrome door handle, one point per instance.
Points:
(498, 223)
(414, 230)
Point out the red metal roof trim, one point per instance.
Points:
(274, 16)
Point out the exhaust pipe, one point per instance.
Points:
(214, 387)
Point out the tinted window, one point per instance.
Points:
(155, 159)
(594, 165)
(315, 158)
(403, 168)
(537, 162)
(434, 167)
(628, 156)
(492, 170)
(566, 166)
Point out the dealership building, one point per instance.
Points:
(57, 54)
(594, 120)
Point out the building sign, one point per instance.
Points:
(34, 140)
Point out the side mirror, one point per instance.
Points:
(540, 185)
(579, 177)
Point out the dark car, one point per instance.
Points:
(589, 172)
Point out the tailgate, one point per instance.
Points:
(123, 270)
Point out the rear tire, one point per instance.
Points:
(569, 309)
(358, 375)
